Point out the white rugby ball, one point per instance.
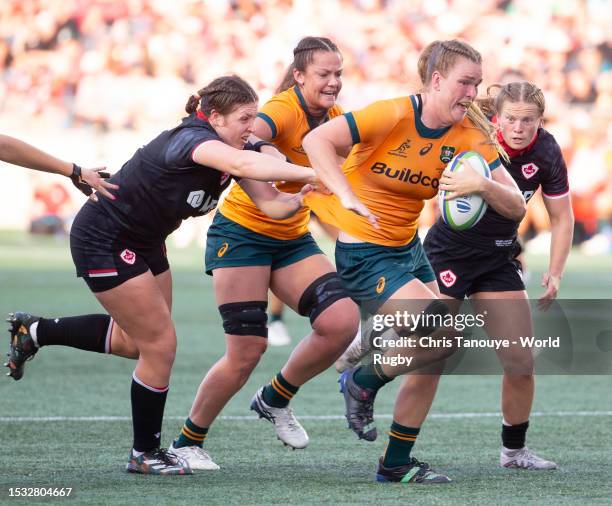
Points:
(464, 212)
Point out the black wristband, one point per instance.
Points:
(76, 172)
(259, 144)
(75, 177)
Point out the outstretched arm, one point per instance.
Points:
(25, 155)
(276, 204)
(250, 164)
(324, 145)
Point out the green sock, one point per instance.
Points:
(401, 441)
(371, 376)
(279, 392)
(276, 317)
(191, 435)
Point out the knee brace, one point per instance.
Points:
(321, 294)
(433, 318)
(245, 318)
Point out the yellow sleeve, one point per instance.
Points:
(373, 124)
(490, 154)
(278, 113)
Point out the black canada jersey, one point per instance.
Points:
(161, 185)
(541, 166)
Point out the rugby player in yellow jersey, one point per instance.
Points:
(399, 149)
(248, 253)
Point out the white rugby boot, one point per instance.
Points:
(196, 457)
(524, 458)
(288, 429)
(278, 335)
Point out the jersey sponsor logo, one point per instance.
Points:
(405, 175)
(222, 250)
(447, 277)
(196, 200)
(447, 153)
(426, 149)
(529, 170)
(128, 256)
(380, 285)
(401, 149)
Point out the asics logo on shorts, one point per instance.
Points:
(448, 278)
(128, 256)
(380, 286)
(222, 250)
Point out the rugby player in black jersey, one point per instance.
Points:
(481, 263)
(118, 249)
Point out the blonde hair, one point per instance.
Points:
(441, 56)
(520, 91)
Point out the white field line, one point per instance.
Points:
(440, 416)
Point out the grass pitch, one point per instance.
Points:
(66, 423)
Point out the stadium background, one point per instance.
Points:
(91, 81)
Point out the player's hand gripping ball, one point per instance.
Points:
(464, 212)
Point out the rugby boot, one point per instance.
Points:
(413, 472)
(195, 456)
(22, 346)
(159, 461)
(524, 458)
(288, 429)
(359, 405)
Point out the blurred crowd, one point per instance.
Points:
(108, 66)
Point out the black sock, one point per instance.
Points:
(147, 414)
(87, 332)
(279, 392)
(513, 436)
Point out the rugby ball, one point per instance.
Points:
(464, 212)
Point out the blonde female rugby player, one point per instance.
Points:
(399, 149)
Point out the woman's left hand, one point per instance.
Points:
(551, 283)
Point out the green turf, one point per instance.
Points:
(37, 275)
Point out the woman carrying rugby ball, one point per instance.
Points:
(398, 151)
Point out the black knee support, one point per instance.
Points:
(321, 294)
(433, 318)
(245, 318)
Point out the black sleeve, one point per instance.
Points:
(556, 184)
(179, 152)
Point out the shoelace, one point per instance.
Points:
(290, 419)
(199, 452)
(367, 413)
(167, 458)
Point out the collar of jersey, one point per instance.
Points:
(424, 131)
(312, 121)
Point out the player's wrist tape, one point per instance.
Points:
(259, 144)
(77, 181)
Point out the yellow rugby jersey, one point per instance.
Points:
(288, 117)
(394, 166)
